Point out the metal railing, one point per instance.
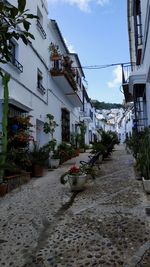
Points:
(87, 113)
(59, 68)
(126, 70)
(41, 89)
(41, 29)
(16, 63)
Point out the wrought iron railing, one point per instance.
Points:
(16, 63)
(41, 29)
(87, 113)
(41, 89)
(59, 68)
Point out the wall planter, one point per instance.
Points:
(3, 189)
(13, 181)
(55, 57)
(77, 182)
(146, 185)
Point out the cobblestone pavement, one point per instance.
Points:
(43, 224)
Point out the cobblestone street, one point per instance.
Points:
(43, 224)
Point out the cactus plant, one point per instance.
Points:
(5, 81)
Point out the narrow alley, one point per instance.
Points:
(43, 224)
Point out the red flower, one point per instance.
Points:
(74, 170)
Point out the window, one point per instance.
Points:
(40, 24)
(13, 51)
(39, 78)
(40, 87)
(65, 116)
(138, 29)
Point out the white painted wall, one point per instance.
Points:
(23, 86)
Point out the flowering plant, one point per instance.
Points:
(74, 171)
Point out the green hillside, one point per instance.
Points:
(103, 105)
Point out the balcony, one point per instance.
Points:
(126, 70)
(87, 115)
(41, 30)
(64, 76)
(41, 89)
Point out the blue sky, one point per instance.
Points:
(97, 31)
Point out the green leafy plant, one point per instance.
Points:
(106, 144)
(76, 171)
(143, 155)
(38, 155)
(5, 81)
(49, 128)
(134, 143)
(54, 50)
(10, 18)
(81, 135)
(56, 154)
(73, 171)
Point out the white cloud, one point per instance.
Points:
(103, 2)
(117, 73)
(70, 46)
(83, 5)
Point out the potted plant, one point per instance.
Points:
(76, 178)
(55, 159)
(4, 138)
(38, 155)
(143, 160)
(81, 136)
(54, 50)
(49, 128)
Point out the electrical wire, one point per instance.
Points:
(126, 64)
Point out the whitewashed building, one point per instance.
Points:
(87, 114)
(40, 84)
(124, 124)
(137, 85)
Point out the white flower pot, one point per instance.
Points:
(146, 185)
(77, 183)
(54, 163)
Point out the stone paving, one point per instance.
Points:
(43, 224)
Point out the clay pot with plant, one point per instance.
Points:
(55, 52)
(38, 157)
(49, 128)
(76, 177)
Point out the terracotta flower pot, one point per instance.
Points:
(38, 170)
(3, 189)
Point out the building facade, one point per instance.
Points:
(137, 85)
(42, 84)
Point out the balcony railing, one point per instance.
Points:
(59, 68)
(126, 70)
(87, 114)
(41, 29)
(41, 89)
(16, 63)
